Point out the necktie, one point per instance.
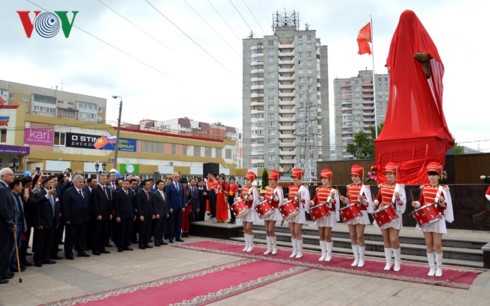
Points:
(105, 191)
(80, 192)
(126, 192)
(147, 196)
(51, 199)
(177, 186)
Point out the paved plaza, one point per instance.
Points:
(313, 287)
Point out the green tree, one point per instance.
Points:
(362, 146)
(458, 150)
(265, 178)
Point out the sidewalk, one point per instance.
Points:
(314, 287)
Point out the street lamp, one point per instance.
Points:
(118, 128)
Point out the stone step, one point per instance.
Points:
(417, 249)
(370, 253)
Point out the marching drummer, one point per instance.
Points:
(433, 193)
(326, 195)
(275, 196)
(391, 193)
(360, 195)
(250, 195)
(301, 197)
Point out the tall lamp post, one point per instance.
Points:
(118, 128)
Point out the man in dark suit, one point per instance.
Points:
(46, 221)
(124, 207)
(91, 185)
(75, 212)
(203, 196)
(174, 194)
(192, 203)
(161, 213)
(145, 204)
(102, 214)
(7, 224)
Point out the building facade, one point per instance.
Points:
(54, 103)
(285, 99)
(354, 107)
(53, 144)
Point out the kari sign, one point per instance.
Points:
(39, 137)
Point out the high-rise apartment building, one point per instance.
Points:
(285, 98)
(354, 107)
(53, 102)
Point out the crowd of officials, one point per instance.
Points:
(92, 214)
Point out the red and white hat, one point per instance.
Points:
(251, 176)
(434, 167)
(327, 173)
(358, 170)
(274, 175)
(393, 168)
(297, 172)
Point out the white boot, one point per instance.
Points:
(329, 251)
(246, 243)
(300, 248)
(397, 253)
(432, 264)
(269, 245)
(438, 264)
(295, 248)
(274, 245)
(355, 251)
(388, 258)
(323, 247)
(250, 243)
(362, 249)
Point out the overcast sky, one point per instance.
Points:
(169, 59)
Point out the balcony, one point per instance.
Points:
(257, 70)
(285, 46)
(287, 127)
(286, 136)
(286, 102)
(287, 153)
(286, 52)
(287, 111)
(286, 69)
(287, 119)
(286, 61)
(288, 77)
(290, 94)
(257, 87)
(288, 160)
(286, 86)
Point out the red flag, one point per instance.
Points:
(101, 142)
(1, 101)
(364, 38)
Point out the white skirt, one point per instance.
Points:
(363, 219)
(436, 227)
(299, 218)
(276, 216)
(396, 224)
(251, 216)
(328, 221)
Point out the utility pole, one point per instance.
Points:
(118, 130)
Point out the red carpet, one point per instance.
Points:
(411, 272)
(195, 287)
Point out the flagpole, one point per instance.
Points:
(374, 80)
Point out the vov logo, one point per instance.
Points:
(47, 24)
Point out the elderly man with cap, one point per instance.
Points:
(359, 195)
(391, 193)
(326, 195)
(435, 194)
(250, 195)
(275, 196)
(300, 195)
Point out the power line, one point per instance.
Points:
(236, 9)
(136, 26)
(192, 39)
(112, 46)
(248, 8)
(229, 27)
(212, 29)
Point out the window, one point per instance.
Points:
(272, 132)
(151, 147)
(271, 107)
(218, 153)
(197, 151)
(270, 100)
(184, 149)
(59, 138)
(308, 38)
(270, 42)
(174, 148)
(272, 140)
(271, 116)
(207, 152)
(228, 153)
(26, 98)
(272, 149)
(3, 135)
(12, 96)
(272, 158)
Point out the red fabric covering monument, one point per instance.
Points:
(415, 130)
